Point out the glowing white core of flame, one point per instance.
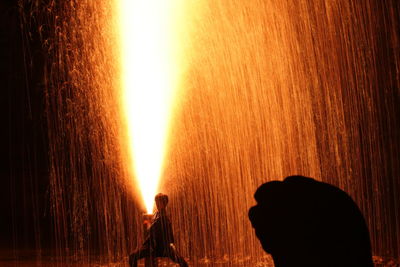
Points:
(149, 75)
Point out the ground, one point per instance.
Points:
(27, 259)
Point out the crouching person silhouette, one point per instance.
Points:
(160, 239)
(303, 222)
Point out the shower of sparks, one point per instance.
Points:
(149, 81)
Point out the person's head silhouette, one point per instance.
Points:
(303, 222)
(161, 201)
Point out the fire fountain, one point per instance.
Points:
(271, 88)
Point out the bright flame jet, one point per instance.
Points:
(149, 80)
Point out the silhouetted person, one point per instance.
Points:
(160, 241)
(303, 222)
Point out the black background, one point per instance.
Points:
(24, 164)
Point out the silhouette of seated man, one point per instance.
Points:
(303, 222)
(160, 240)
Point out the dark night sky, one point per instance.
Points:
(23, 136)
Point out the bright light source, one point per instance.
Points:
(149, 80)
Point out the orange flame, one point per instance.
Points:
(150, 73)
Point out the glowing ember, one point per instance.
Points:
(149, 80)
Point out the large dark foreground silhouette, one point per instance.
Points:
(303, 222)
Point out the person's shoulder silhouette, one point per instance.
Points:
(303, 222)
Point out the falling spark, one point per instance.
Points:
(149, 80)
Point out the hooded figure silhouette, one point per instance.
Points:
(303, 222)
